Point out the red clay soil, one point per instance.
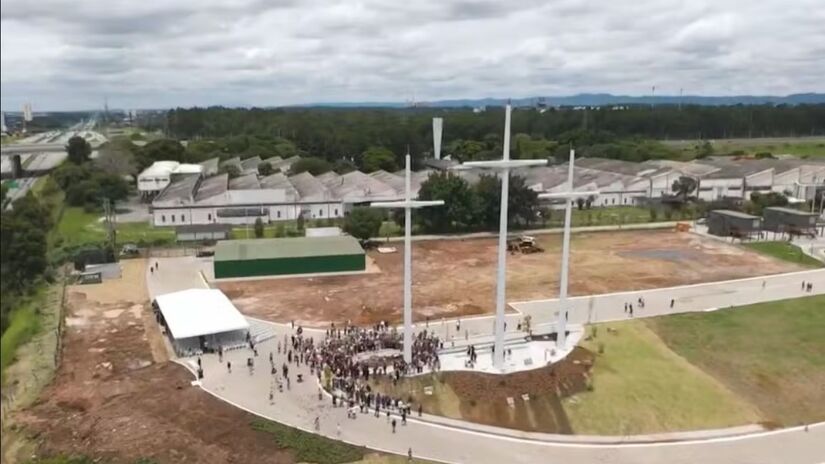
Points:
(483, 398)
(110, 400)
(457, 277)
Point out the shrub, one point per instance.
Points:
(309, 447)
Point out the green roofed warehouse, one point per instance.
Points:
(283, 256)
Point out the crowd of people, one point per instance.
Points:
(348, 356)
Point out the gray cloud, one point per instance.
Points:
(68, 55)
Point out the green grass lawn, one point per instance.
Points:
(803, 149)
(79, 227)
(770, 354)
(784, 251)
(640, 386)
(282, 228)
(806, 147)
(311, 448)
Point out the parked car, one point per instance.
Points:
(129, 249)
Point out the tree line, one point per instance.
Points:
(24, 258)
(466, 207)
(87, 182)
(332, 134)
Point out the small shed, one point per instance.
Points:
(789, 220)
(202, 232)
(284, 256)
(200, 320)
(323, 231)
(729, 223)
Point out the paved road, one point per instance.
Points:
(300, 405)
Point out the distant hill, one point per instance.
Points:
(598, 99)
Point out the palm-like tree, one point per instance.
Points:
(684, 186)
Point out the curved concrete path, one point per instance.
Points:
(299, 405)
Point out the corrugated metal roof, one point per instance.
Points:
(795, 212)
(308, 187)
(273, 161)
(357, 186)
(160, 168)
(251, 164)
(212, 186)
(234, 161)
(179, 190)
(283, 165)
(280, 181)
(247, 182)
(732, 213)
(278, 248)
(210, 166)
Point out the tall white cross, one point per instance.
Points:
(568, 196)
(504, 165)
(408, 204)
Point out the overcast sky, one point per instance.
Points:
(161, 53)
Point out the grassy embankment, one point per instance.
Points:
(806, 147)
(640, 386)
(784, 251)
(769, 354)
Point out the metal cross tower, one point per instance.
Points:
(408, 204)
(504, 165)
(568, 196)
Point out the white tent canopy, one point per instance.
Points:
(196, 312)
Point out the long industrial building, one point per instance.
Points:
(205, 199)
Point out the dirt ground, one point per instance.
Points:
(116, 397)
(483, 398)
(457, 277)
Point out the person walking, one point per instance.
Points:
(393, 426)
(229, 366)
(409, 453)
(317, 423)
(672, 302)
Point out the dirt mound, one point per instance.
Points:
(529, 400)
(114, 398)
(151, 413)
(564, 378)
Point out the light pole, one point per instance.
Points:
(408, 204)
(568, 197)
(504, 165)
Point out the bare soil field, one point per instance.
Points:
(485, 398)
(454, 278)
(116, 398)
